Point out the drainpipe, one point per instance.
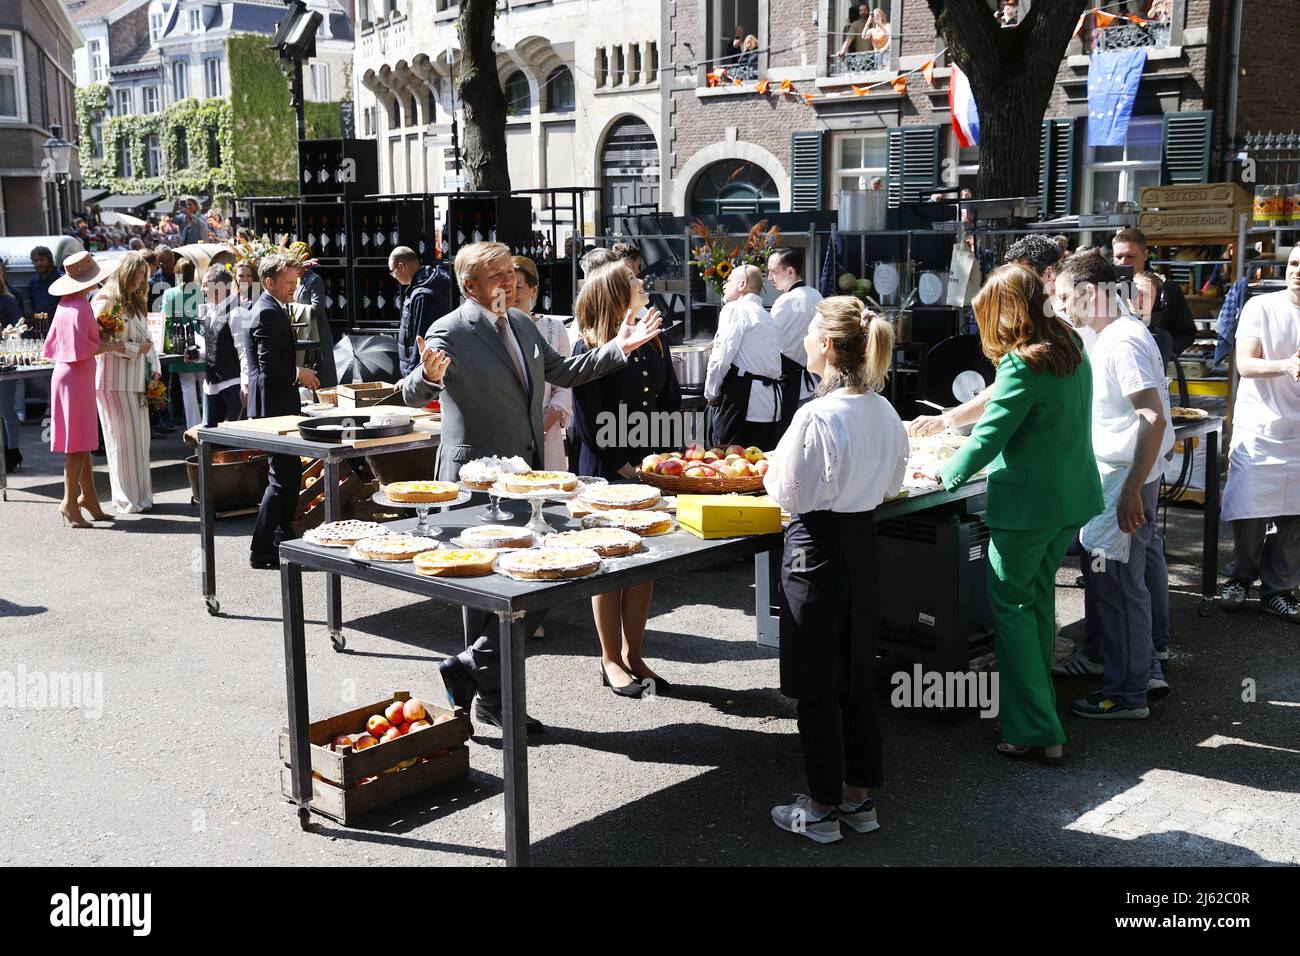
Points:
(1234, 77)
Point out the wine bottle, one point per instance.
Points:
(365, 230)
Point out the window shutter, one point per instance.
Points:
(1056, 168)
(807, 151)
(1186, 152)
(913, 170)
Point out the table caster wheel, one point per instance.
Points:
(338, 640)
(304, 818)
(1204, 609)
(214, 606)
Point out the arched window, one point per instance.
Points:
(518, 99)
(559, 91)
(734, 187)
(432, 107)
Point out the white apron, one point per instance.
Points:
(1102, 534)
(1263, 477)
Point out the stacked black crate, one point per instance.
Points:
(325, 229)
(276, 218)
(379, 227)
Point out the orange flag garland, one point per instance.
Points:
(762, 86)
(899, 84)
(787, 86)
(1103, 19)
(927, 71)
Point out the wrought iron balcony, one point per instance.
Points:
(1129, 35)
(858, 62)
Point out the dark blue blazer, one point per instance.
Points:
(272, 364)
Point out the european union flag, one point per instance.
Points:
(1112, 86)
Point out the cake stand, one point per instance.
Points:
(494, 511)
(421, 508)
(537, 523)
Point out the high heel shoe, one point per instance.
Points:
(661, 685)
(96, 514)
(76, 522)
(1053, 754)
(629, 690)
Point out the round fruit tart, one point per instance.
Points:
(421, 492)
(455, 562)
(621, 497)
(482, 473)
(647, 522)
(549, 564)
(340, 534)
(393, 547)
(496, 536)
(606, 542)
(527, 482)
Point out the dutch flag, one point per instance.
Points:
(961, 103)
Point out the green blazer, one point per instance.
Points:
(1036, 432)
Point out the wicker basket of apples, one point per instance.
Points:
(706, 471)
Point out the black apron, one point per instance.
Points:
(831, 611)
(728, 420)
(793, 377)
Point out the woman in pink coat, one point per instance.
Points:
(72, 344)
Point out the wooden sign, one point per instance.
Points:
(1196, 196)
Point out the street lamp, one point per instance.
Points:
(57, 165)
(295, 41)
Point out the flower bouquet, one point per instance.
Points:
(715, 263)
(111, 324)
(251, 250)
(155, 394)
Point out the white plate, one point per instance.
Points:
(931, 288)
(885, 278)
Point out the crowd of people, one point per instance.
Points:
(187, 223)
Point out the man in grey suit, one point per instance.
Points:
(487, 364)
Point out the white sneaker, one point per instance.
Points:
(1078, 665)
(861, 818)
(1283, 606)
(799, 817)
(1157, 688)
(1233, 595)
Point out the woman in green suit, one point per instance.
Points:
(1043, 485)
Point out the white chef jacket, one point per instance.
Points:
(792, 312)
(1264, 461)
(842, 452)
(748, 338)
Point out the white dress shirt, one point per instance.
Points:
(842, 452)
(748, 338)
(792, 312)
(510, 337)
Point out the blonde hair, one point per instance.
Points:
(528, 268)
(862, 344)
(475, 256)
(129, 285)
(602, 304)
(749, 43)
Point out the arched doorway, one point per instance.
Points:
(733, 187)
(629, 169)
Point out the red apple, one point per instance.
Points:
(364, 741)
(718, 452)
(673, 467)
(711, 456)
(343, 740)
(761, 466)
(392, 733)
(442, 718)
(674, 454)
(418, 725)
(754, 453)
(404, 728)
(650, 463)
(378, 725)
(413, 709)
(393, 713)
(698, 471)
(694, 454)
(735, 450)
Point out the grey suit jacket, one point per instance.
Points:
(485, 409)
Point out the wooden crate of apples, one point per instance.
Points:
(700, 470)
(374, 755)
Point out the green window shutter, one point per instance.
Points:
(1186, 152)
(1056, 168)
(913, 170)
(807, 152)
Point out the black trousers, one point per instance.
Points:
(224, 406)
(841, 744)
(275, 516)
(483, 658)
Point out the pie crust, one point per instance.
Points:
(621, 497)
(455, 562)
(339, 534)
(497, 536)
(482, 473)
(393, 547)
(421, 492)
(606, 542)
(549, 564)
(646, 522)
(528, 481)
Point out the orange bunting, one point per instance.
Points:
(927, 71)
(899, 84)
(737, 82)
(787, 86)
(1140, 21)
(808, 98)
(1078, 27)
(1104, 19)
(861, 90)
(762, 86)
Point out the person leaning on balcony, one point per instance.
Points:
(748, 58)
(855, 34)
(1160, 11)
(878, 35)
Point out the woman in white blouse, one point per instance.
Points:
(557, 403)
(844, 453)
(120, 384)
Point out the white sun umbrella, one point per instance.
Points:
(111, 217)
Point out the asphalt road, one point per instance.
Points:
(178, 763)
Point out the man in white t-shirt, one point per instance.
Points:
(792, 312)
(1263, 487)
(1131, 432)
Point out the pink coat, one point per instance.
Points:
(72, 343)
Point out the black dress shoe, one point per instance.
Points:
(262, 562)
(458, 680)
(13, 460)
(633, 689)
(492, 717)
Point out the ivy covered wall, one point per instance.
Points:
(265, 138)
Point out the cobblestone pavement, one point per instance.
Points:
(181, 766)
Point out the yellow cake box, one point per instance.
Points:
(728, 516)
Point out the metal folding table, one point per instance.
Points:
(1211, 429)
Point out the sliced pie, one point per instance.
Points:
(606, 542)
(646, 522)
(455, 562)
(529, 481)
(549, 564)
(421, 492)
(340, 534)
(393, 547)
(621, 497)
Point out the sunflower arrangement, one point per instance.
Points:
(111, 323)
(716, 263)
(252, 250)
(155, 394)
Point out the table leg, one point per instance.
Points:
(4, 468)
(514, 737)
(333, 584)
(767, 610)
(207, 519)
(1210, 541)
(295, 681)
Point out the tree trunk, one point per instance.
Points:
(482, 101)
(1012, 73)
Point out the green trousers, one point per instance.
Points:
(1022, 597)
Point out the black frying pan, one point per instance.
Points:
(337, 429)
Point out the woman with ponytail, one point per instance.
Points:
(844, 453)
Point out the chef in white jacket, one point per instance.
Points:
(1263, 489)
(743, 381)
(792, 311)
